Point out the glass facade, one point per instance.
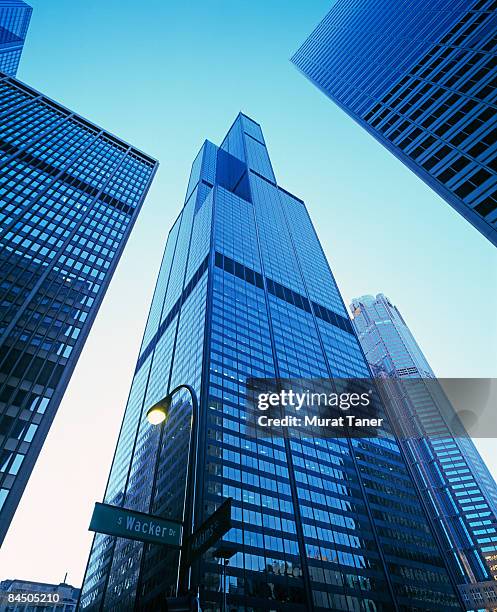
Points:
(14, 22)
(70, 194)
(421, 77)
(456, 486)
(245, 290)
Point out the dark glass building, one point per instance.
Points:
(70, 193)
(456, 486)
(421, 77)
(14, 22)
(245, 290)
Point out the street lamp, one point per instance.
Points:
(156, 415)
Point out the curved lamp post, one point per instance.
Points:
(156, 415)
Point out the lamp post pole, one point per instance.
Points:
(225, 563)
(156, 415)
(225, 552)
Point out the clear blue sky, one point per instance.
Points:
(165, 75)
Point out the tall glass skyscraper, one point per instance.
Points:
(245, 290)
(14, 22)
(457, 488)
(421, 77)
(70, 193)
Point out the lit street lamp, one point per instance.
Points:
(156, 415)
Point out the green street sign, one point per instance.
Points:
(124, 523)
(209, 532)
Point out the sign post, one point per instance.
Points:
(225, 553)
(125, 523)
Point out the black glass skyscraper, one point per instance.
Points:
(457, 488)
(14, 22)
(245, 290)
(70, 193)
(421, 77)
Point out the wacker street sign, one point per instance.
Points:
(124, 523)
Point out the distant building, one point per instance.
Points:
(421, 77)
(454, 482)
(70, 194)
(14, 22)
(47, 597)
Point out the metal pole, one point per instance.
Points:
(224, 584)
(191, 476)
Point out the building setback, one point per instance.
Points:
(70, 194)
(14, 22)
(421, 77)
(244, 290)
(456, 486)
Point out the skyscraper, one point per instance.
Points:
(14, 22)
(421, 77)
(458, 490)
(70, 194)
(244, 290)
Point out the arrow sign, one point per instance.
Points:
(209, 532)
(133, 525)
